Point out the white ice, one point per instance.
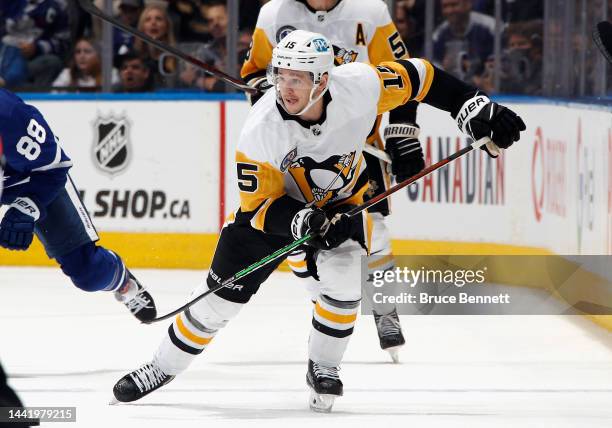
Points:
(64, 347)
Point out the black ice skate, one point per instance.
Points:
(133, 386)
(325, 385)
(134, 296)
(390, 333)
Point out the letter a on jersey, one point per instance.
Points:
(111, 149)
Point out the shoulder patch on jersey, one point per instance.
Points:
(344, 56)
(284, 31)
(288, 160)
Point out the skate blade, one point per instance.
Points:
(321, 403)
(394, 353)
(113, 402)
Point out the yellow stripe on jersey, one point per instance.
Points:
(387, 45)
(397, 86)
(259, 56)
(429, 74)
(337, 318)
(259, 183)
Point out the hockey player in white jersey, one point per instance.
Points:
(300, 166)
(360, 31)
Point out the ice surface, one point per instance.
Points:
(64, 347)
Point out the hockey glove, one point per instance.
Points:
(17, 225)
(261, 84)
(479, 117)
(403, 146)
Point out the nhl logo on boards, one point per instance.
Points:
(111, 148)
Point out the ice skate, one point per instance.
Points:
(325, 386)
(135, 297)
(390, 333)
(135, 385)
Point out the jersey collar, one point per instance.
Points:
(305, 3)
(327, 98)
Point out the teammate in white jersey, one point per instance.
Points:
(299, 162)
(360, 31)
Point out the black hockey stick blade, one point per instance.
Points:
(602, 36)
(90, 8)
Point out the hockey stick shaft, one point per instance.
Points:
(90, 8)
(380, 154)
(295, 244)
(423, 173)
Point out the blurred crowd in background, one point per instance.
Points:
(52, 45)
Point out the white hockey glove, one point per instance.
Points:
(403, 146)
(479, 117)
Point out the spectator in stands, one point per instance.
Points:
(512, 10)
(521, 64)
(409, 20)
(154, 22)
(129, 12)
(39, 28)
(134, 74)
(13, 67)
(189, 21)
(216, 15)
(84, 70)
(464, 41)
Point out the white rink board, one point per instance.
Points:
(172, 170)
(551, 190)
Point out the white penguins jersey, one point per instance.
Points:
(279, 156)
(359, 30)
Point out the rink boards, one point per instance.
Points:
(156, 173)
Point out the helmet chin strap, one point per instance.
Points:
(311, 100)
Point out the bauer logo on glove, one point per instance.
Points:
(479, 117)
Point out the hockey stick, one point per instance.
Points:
(295, 244)
(380, 154)
(602, 36)
(89, 7)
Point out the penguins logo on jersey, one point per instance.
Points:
(283, 31)
(344, 56)
(112, 148)
(323, 181)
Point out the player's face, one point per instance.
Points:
(85, 56)
(322, 4)
(295, 88)
(154, 24)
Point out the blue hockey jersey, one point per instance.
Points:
(36, 166)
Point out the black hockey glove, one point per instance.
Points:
(17, 225)
(330, 234)
(479, 117)
(261, 84)
(403, 146)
